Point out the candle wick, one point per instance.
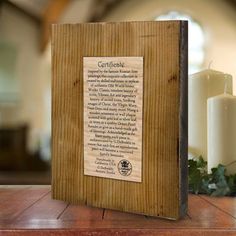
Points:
(209, 65)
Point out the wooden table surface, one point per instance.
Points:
(29, 210)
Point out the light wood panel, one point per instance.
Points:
(163, 46)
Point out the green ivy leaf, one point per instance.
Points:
(215, 184)
(231, 180)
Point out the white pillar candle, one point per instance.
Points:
(221, 117)
(203, 85)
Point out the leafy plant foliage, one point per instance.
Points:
(217, 183)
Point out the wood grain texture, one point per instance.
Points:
(163, 191)
(45, 216)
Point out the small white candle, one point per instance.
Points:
(222, 132)
(203, 85)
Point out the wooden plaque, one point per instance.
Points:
(119, 116)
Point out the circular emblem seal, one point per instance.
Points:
(125, 167)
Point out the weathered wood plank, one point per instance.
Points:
(163, 46)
